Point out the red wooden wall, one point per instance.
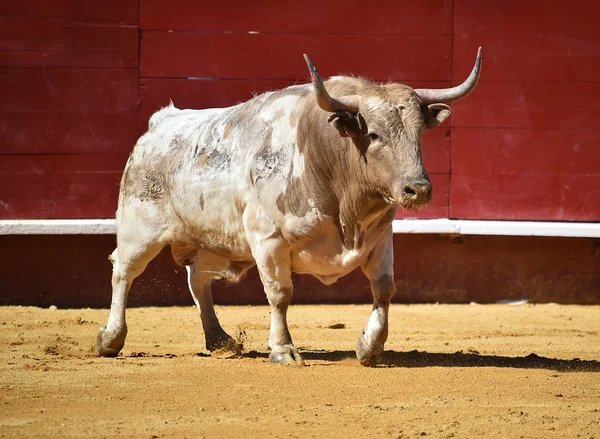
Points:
(69, 105)
(78, 81)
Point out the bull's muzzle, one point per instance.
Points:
(417, 194)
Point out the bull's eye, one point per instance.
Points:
(373, 136)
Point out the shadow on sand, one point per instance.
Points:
(458, 359)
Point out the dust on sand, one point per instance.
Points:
(449, 371)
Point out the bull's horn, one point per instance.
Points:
(434, 96)
(326, 102)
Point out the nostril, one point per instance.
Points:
(409, 191)
(418, 192)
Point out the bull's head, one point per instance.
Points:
(386, 123)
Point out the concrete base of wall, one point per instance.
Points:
(74, 271)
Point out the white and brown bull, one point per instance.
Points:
(291, 181)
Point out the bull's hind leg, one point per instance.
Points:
(218, 342)
(129, 261)
(379, 268)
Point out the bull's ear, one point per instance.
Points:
(349, 124)
(353, 126)
(435, 114)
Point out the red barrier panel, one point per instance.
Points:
(57, 186)
(524, 143)
(77, 111)
(123, 12)
(525, 174)
(270, 56)
(35, 42)
(406, 17)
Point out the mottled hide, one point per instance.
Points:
(290, 181)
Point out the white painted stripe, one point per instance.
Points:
(58, 227)
(425, 226)
(501, 228)
(442, 225)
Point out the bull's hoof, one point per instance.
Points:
(227, 348)
(286, 354)
(109, 345)
(368, 355)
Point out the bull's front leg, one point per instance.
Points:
(273, 263)
(379, 268)
(272, 255)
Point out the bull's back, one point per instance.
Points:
(199, 168)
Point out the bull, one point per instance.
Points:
(307, 179)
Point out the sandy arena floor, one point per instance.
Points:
(449, 371)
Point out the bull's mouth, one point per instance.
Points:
(412, 206)
(405, 203)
